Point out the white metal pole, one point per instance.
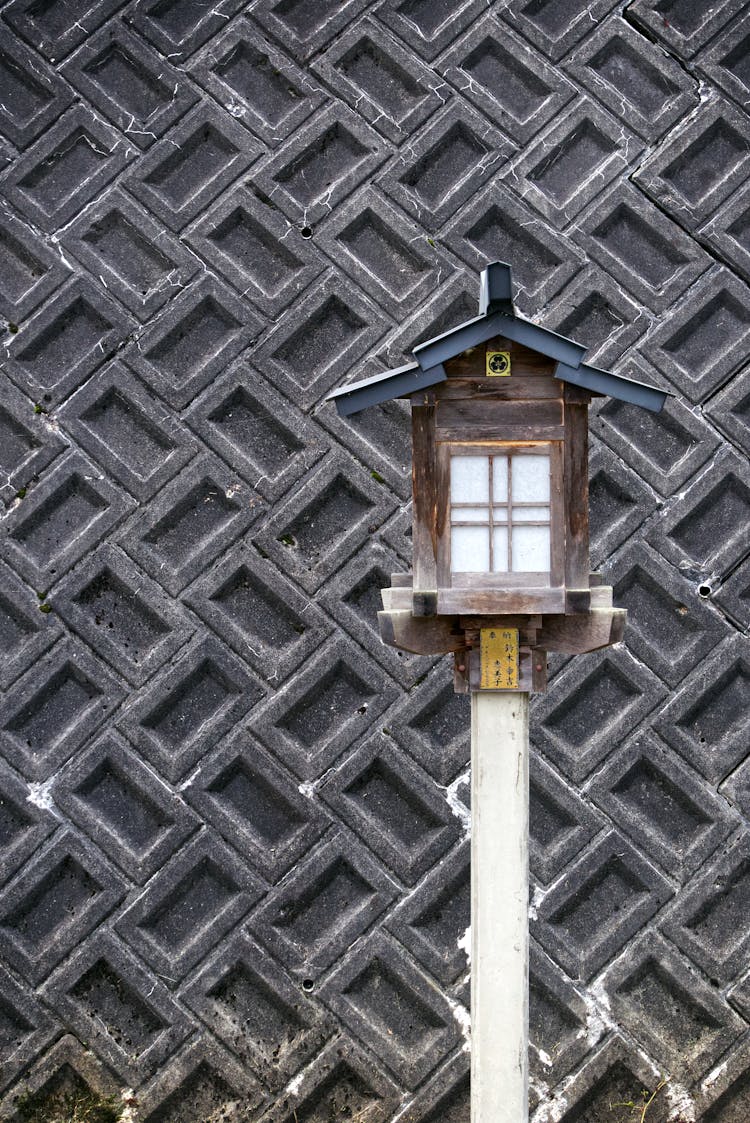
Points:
(499, 906)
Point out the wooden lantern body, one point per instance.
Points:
(497, 390)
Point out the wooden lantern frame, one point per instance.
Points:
(498, 384)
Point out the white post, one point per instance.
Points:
(499, 906)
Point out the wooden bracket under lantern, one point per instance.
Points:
(499, 411)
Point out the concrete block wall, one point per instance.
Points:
(234, 874)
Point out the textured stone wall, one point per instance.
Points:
(235, 857)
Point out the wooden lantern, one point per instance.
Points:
(499, 411)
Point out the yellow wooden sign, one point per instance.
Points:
(498, 658)
(498, 364)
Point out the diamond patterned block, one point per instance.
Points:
(122, 614)
(669, 627)
(665, 449)
(682, 1022)
(354, 600)
(389, 86)
(324, 710)
(125, 80)
(724, 60)
(256, 82)
(24, 823)
(24, 1028)
(177, 29)
(62, 518)
(194, 338)
(570, 163)
(133, 256)
(257, 1010)
(709, 919)
(496, 227)
(434, 727)
(561, 1029)
(256, 249)
(333, 896)
(662, 806)
(730, 410)
(394, 807)
(66, 168)
(203, 1080)
(456, 153)
(613, 1082)
(452, 305)
(54, 903)
(702, 343)
(25, 632)
(595, 312)
(698, 166)
(66, 1074)
(123, 807)
(429, 27)
(683, 27)
(188, 906)
(389, 256)
(194, 518)
(267, 621)
(258, 432)
(329, 517)
(560, 822)
(28, 442)
(321, 165)
(703, 532)
(204, 153)
(639, 83)
(343, 1078)
(734, 595)
(256, 805)
(199, 697)
(433, 922)
(728, 231)
(67, 339)
(444, 1097)
(307, 355)
(31, 271)
(33, 96)
(591, 707)
(60, 701)
(724, 1095)
(651, 256)
(49, 27)
(706, 719)
(126, 1016)
(619, 502)
(384, 998)
(554, 27)
(127, 430)
(601, 902)
(303, 28)
(503, 76)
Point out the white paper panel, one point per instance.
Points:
(500, 479)
(470, 514)
(470, 549)
(531, 479)
(531, 549)
(500, 549)
(470, 479)
(530, 514)
(499, 514)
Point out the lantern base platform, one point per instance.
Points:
(581, 621)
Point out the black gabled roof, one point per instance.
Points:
(497, 316)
